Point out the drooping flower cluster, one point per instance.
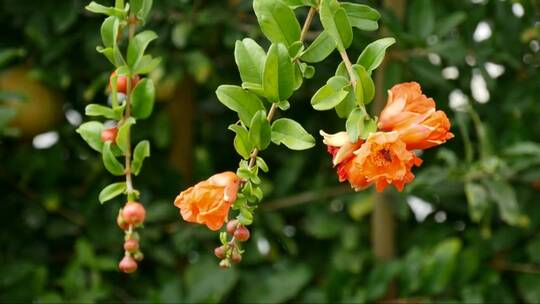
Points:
(408, 122)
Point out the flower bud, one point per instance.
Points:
(139, 256)
(121, 82)
(131, 246)
(121, 222)
(134, 213)
(127, 264)
(224, 264)
(231, 226)
(109, 135)
(220, 252)
(241, 234)
(236, 257)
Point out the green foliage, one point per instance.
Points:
(60, 246)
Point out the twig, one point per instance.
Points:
(273, 109)
(306, 197)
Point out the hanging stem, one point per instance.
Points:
(274, 107)
(127, 115)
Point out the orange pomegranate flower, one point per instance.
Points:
(414, 117)
(383, 160)
(209, 201)
(342, 151)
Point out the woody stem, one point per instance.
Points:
(274, 107)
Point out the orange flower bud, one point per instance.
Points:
(209, 201)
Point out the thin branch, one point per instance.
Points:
(273, 109)
(127, 114)
(306, 197)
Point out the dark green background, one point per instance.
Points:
(58, 243)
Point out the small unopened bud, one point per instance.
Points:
(131, 246)
(139, 256)
(127, 264)
(109, 135)
(231, 226)
(121, 222)
(241, 234)
(134, 213)
(220, 252)
(225, 264)
(236, 257)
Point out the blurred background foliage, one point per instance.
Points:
(467, 228)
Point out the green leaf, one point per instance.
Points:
(365, 88)
(362, 16)
(250, 58)
(245, 217)
(278, 75)
(380, 277)
(335, 21)
(277, 21)
(298, 3)
(109, 31)
(111, 191)
(260, 131)
(109, 160)
(505, 197)
(245, 103)
(478, 199)
(373, 55)
(441, 265)
(421, 18)
(295, 49)
(355, 124)
(446, 24)
(291, 134)
(262, 164)
(109, 11)
(370, 126)
(344, 108)
(91, 133)
(142, 99)
(242, 145)
(331, 94)
(319, 49)
(147, 65)
(112, 54)
(141, 151)
(141, 8)
(137, 46)
(100, 110)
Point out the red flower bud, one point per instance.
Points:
(121, 82)
(241, 234)
(127, 264)
(220, 252)
(134, 213)
(109, 135)
(131, 246)
(231, 226)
